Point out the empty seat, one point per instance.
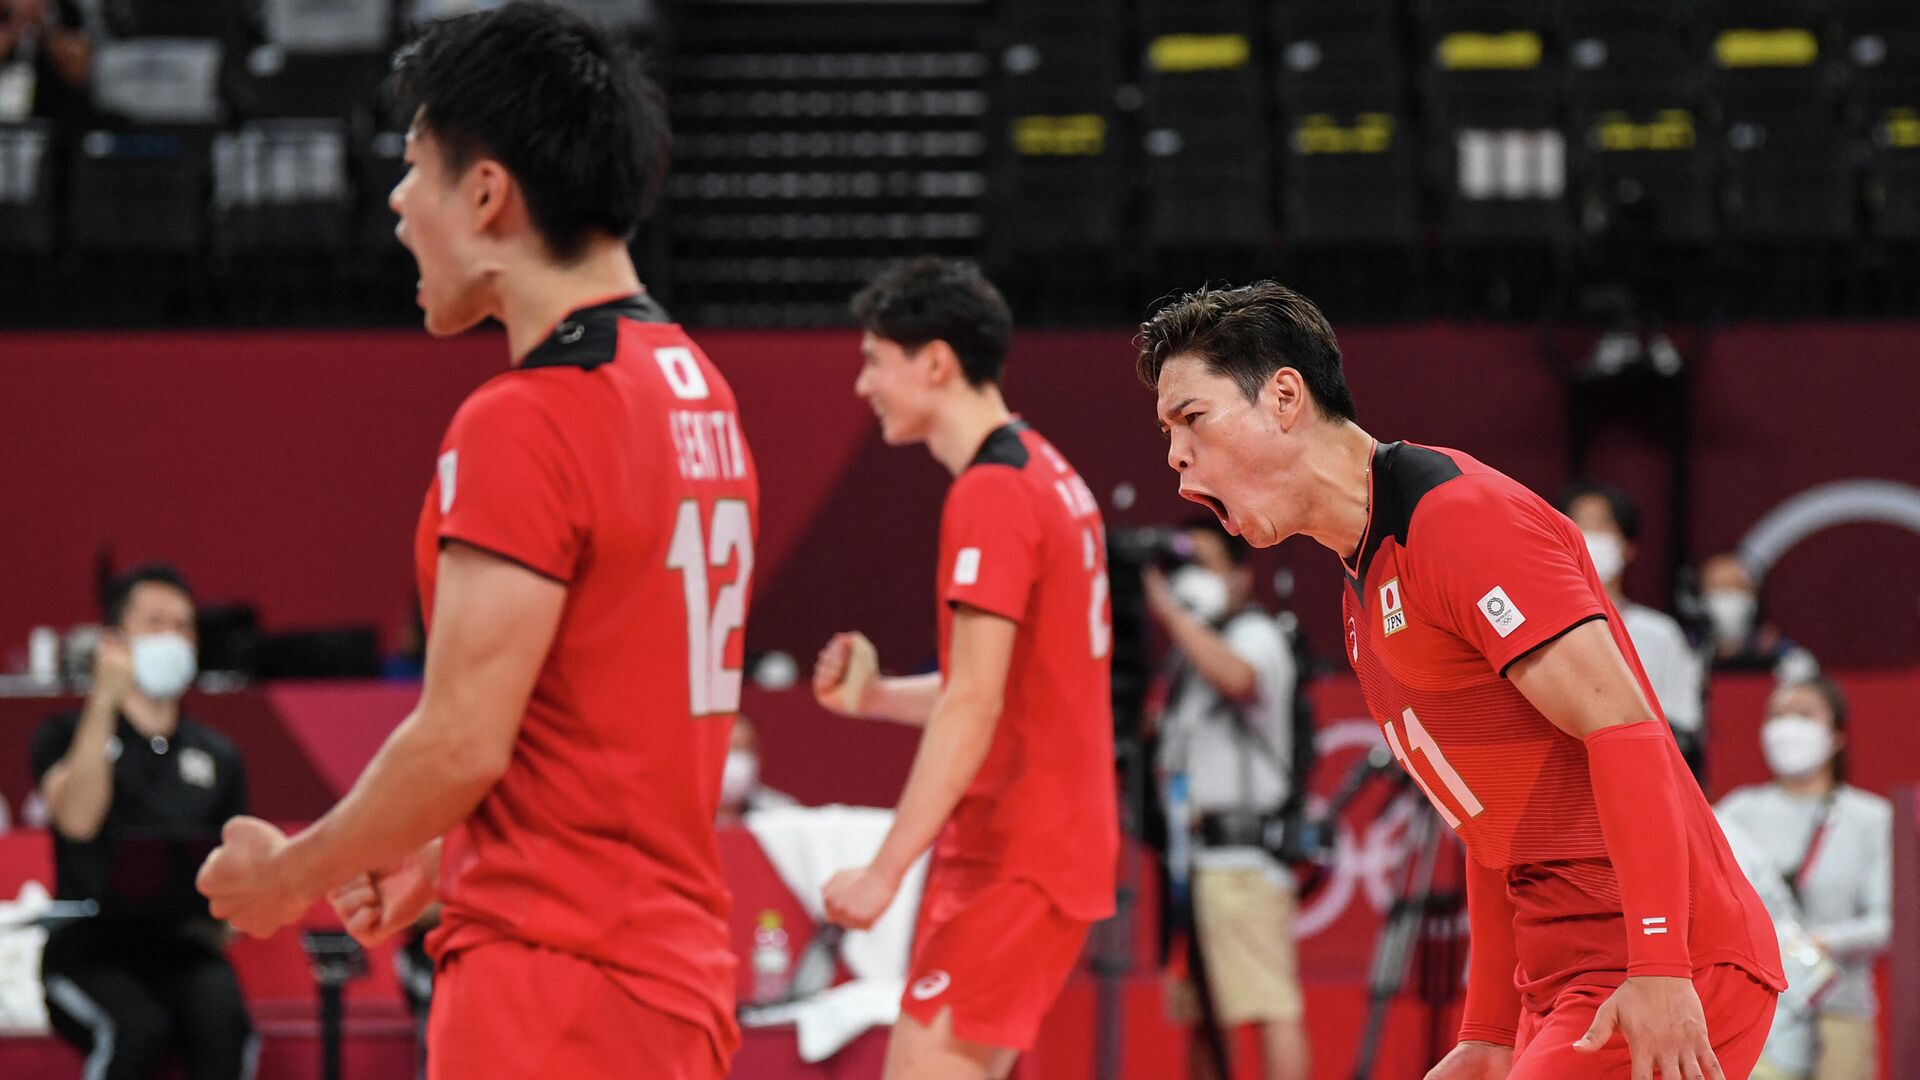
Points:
(325, 26)
(26, 189)
(282, 186)
(142, 192)
(158, 80)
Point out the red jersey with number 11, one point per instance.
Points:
(1462, 574)
(612, 461)
(1021, 537)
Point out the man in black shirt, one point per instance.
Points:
(137, 793)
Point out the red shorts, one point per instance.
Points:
(996, 955)
(509, 1011)
(1739, 1012)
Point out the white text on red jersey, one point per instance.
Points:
(709, 444)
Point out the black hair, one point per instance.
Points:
(1247, 334)
(1237, 549)
(119, 592)
(929, 299)
(1836, 700)
(555, 100)
(1625, 514)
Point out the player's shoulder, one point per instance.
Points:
(1458, 497)
(1000, 470)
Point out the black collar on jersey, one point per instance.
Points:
(1003, 447)
(590, 337)
(1402, 475)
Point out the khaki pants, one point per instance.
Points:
(1848, 1050)
(1244, 919)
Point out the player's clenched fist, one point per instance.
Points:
(856, 899)
(374, 905)
(1474, 1061)
(242, 879)
(843, 671)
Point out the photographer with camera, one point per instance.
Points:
(1227, 741)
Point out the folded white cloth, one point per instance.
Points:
(23, 1009)
(807, 846)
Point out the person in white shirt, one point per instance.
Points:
(1833, 845)
(1228, 732)
(1611, 524)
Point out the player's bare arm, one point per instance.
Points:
(493, 623)
(1582, 684)
(849, 684)
(956, 740)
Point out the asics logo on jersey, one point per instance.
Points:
(932, 986)
(1653, 926)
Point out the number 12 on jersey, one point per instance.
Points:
(1419, 740)
(712, 686)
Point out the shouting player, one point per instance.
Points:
(1612, 931)
(1014, 775)
(584, 553)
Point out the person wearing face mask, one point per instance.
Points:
(1738, 636)
(1228, 730)
(1833, 844)
(740, 788)
(1611, 524)
(145, 979)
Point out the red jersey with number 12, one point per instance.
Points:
(611, 460)
(1021, 537)
(1462, 574)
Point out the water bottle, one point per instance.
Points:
(772, 960)
(1179, 836)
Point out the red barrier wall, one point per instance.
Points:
(288, 467)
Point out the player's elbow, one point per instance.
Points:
(478, 765)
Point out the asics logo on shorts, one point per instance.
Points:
(932, 986)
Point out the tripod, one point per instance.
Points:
(1419, 913)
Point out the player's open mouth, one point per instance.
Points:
(1219, 508)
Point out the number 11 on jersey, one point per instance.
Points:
(1419, 740)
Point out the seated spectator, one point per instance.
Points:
(46, 61)
(1612, 526)
(130, 783)
(1833, 845)
(740, 786)
(1739, 636)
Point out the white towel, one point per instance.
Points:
(807, 846)
(23, 1009)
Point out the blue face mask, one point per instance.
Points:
(163, 664)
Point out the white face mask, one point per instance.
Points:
(1609, 555)
(163, 664)
(1796, 746)
(1202, 592)
(1731, 612)
(740, 777)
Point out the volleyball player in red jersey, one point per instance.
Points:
(585, 554)
(1612, 933)
(1014, 776)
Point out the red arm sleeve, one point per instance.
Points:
(1636, 789)
(507, 483)
(1492, 1012)
(994, 535)
(1500, 568)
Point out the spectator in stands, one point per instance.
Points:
(1739, 637)
(1611, 523)
(740, 786)
(137, 792)
(46, 61)
(1228, 731)
(1833, 845)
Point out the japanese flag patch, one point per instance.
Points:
(1499, 610)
